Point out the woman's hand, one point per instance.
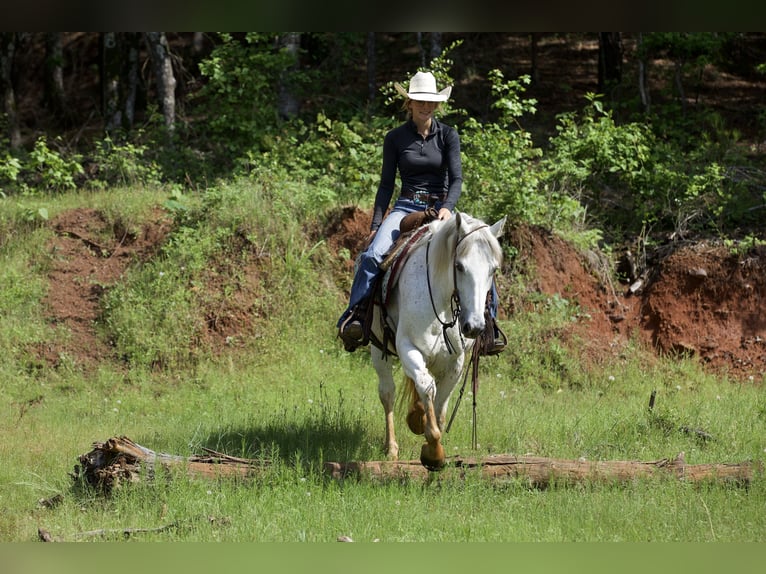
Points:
(444, 214)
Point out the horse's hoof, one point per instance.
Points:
(416, 421)
(432, 457)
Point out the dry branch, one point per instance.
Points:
(540, 472)
(119, 459)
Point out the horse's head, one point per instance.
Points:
(477, 256)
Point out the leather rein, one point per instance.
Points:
(474, 361)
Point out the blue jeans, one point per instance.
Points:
(368, 262)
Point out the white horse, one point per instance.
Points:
(436, 310)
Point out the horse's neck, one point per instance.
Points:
(440, 276)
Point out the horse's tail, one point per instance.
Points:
(408, 396)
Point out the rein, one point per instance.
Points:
(473, 364)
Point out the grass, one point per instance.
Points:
(294, 397)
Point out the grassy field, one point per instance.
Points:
(294, 397)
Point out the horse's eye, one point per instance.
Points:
(460, 267)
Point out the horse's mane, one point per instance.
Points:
(443, 238)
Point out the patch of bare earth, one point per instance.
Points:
(89, 255)
(699, 300)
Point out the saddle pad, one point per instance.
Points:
(394, 261)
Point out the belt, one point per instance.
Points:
(422, 197)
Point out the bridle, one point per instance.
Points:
(454, 299)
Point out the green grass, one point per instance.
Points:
(294, 397)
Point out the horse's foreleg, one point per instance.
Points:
(432, 453)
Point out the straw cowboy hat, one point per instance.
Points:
(423, 88)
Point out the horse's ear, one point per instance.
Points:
(498, 227)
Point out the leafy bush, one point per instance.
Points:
(123, 163)
(632, 180)
(240, 96)
(42, 169)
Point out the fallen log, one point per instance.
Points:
(119, 459)
(540, 472)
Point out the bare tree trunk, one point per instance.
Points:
(198, 43)
(436, 44)
(110, 80)
(678, 67)
(372, 88)
(609, 61)
(642, 82)
(8, 43)
(129, 81)
(163, 72)
(287, 103)
(434, 47)
(54, 96)
(534, 72)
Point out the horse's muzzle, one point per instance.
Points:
(471, 329)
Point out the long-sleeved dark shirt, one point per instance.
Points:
(430, 164)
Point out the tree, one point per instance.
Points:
(119, 78)
(8, 46)
(609, 61)
(165, 80)
(287, 102)
(372, 88)
(53, 86)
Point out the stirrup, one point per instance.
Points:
(493, 341)
(351, 332)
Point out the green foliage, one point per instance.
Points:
(41, 170)
(240, 93)
(56, 172)
(337, 162)
(123, 162)
(498, 158)
(10, 169)
(699, 48)
(631, 180)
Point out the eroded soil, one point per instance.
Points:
(700, 299)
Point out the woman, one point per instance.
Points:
(426, 153)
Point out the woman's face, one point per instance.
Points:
(422, 111)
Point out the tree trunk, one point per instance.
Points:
(287, 103)
(436, 44)
(130, 42)
(165, 80)
(110, 80)
(8, 44)
(642, 77)
(119, 460)
(534, 72)
(54, 95)
(678, 67)
(609, 61)
(372, 88)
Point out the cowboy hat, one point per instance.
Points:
(423, 88)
